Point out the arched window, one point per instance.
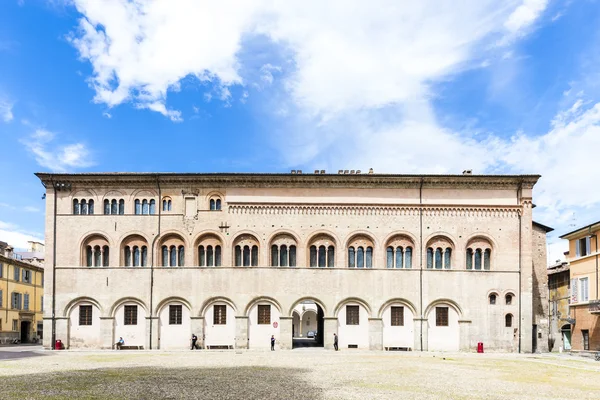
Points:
(508, 298)
(322, 256)
(508, 320)
(492, 298)
(169, 205)
(389, 257)
(469, 257)
(439, 253)
(145, 208)
(292, 256)
(478, 259)
(213, 207)
(479, 254)
(144, 256)
(209, 251)
(138, 207)
(201, 256)
(152, 207)
(238, 256)
(214, 203)
(135, 251)
(114, 208)
(360, 257)
(84, 208)
(283, 256)
(399, 257)
(218, 204)
(173, 256)
(127, 260)
(95, 252)
(165, 256)
(274, 256)
(248, 250)
(331, 257)
(181, 253)
(369, 257)
(217, 256)
(313, 256)
(89, 256)
(76, 207)
(136, 256)
(97, 256)
(351, 257)
(105, 256)
(91, 207)
(166, 204)
(106, 207)
(121, 207)
(408, 257)
(210, 256)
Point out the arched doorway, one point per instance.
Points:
(566, 336)
(307, 325)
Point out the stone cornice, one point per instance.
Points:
(19, 263)
(290, 180)
(404, 210)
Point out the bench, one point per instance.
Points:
(219, 347)
(398, 349)
(124, 347)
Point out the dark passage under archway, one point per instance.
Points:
(308, 325)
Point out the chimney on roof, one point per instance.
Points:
(370, 170)
(351, 171)
(468, 172)
(316, 171)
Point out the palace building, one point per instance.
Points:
(387, 262)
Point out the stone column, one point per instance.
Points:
(526, 300)
(62, 331)
(197, 325)
(300, 330)
(285, 332)
(375, 334)
(241, 332)
(464, 326)
(106, 332)
(331, 327)
(421, 335)
(153, 342)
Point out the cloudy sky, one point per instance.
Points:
(505, 86)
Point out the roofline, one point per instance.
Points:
(251, 179)
(580, 230)
(22, 264)
(544, 227)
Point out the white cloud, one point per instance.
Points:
(31, 209)
(525, 15)
(17, 237)
(6, 113)
(58, 158)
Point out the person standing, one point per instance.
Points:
(335, 342)
(272, 342)
(194, 340)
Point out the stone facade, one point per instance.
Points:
(558, 299)
(391, 260)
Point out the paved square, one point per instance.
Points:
(298, 374)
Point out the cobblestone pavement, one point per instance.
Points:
(298, 374)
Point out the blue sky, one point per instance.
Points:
(124, 85)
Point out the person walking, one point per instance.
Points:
(335, 342)
(194, 340)
(272, 342)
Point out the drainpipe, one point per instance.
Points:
(519, 191)
(53, 344)
(159, 206)
(421, 257)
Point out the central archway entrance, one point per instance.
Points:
(307, 325)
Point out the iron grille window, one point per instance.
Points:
(264, 314)
(85, 315)
(175, 312)
(352, 315)
(130, 315)
(220, 315)
(441, 316)
(397, 316)
(586, 339)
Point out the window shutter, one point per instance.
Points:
(574, 283)
(588, 245)
(577, 248)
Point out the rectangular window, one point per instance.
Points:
(130, 315)
(190, 207)
(15, 301)
(17, 272)
(219, 315)
(352, 315)
(26, 302)
(40, 330)
(26, 276)
(441, 316)
(586, 339)
(175, 314)
(397, 316)
(264, 314)
(584, 292)
(15, 325)
(85, 315)
(583, 246)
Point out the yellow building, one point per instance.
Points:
(559, 289)
(21, 298)
(583, 257)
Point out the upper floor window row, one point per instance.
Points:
(83, 207)
(215, 204)
(583, 246)
(114, 207)
(167, 204)
(145, 207)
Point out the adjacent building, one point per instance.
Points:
(21, 298)
(411, 262)
(559, 286)
(585, 304)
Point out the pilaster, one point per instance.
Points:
(464, 328)
(106, 332)
(331, 327)
(62, 330)
(241, 332)
(375, 334)
(285, 332)
(526, 300)
(197, 325)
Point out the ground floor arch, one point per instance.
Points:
(263, 323)
(308, 327)
(130, 323)
(397, 318)
(84, 329)
(353, 325)
(443, 331)
(219, 325)
(174, 326)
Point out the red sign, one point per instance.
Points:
(275, 324)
